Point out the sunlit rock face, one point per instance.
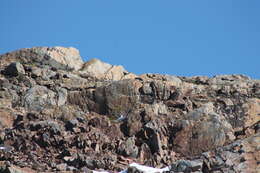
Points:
(105, 71)
(58, 113)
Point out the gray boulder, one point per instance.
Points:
(204, 130)
(187, 166)
(128, 148)
(66, 56)
(38, 98)
(14, 69)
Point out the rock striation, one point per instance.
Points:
(60, 114)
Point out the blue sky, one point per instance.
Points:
(174, 37)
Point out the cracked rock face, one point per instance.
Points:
(38, 98)
(58, 113)
(102, 70)
(67, 56)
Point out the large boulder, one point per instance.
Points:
(133, 124)
(43, 73)
(102, 70)
(38, 98)
(67, 56)
(14, 69)
(96, 67)
(57, 57)
(128, 148)
(119, 97)
(252, 112)
(203, 130)
(74, 82)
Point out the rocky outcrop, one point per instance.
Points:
(102, 70)
(38, 98)
(67, 56)
(55, 57)
(58, 113)
(206, 130)
(14, 69)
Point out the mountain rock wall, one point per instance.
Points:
(58, 113)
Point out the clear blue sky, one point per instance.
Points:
(177, 37)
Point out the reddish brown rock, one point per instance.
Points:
(252, 112)
(58, 114)
(6, 118)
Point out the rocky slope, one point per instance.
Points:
(58, 113)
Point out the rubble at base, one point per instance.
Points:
(59, 114)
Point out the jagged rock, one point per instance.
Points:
(8, 97)
(39, 97)
(118, 73)
(73, 82)
(15, 169)
(61, 167)
(157, 108)
(102, 70)
(222, 79)
(96, 67)
(45, 74)
(56, 57)
(206, 130)
(133, 124)
(187, 166)
(128, 148)
(172, 80)
(71, 124)
(59, 114)
(119, 97)
(48, 123)
(37, 72)
(145, 153)
(133, 170)
(240, 156)
(252, 112)
(62, 96)
(6, 118)
(68, 56)
(202, 80)
(14, 69)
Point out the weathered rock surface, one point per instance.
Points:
(38, 98)
(58, 113)
(105, 71)
(14, 69)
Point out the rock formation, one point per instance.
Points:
(58, 113)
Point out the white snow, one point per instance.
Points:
(145, 169)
